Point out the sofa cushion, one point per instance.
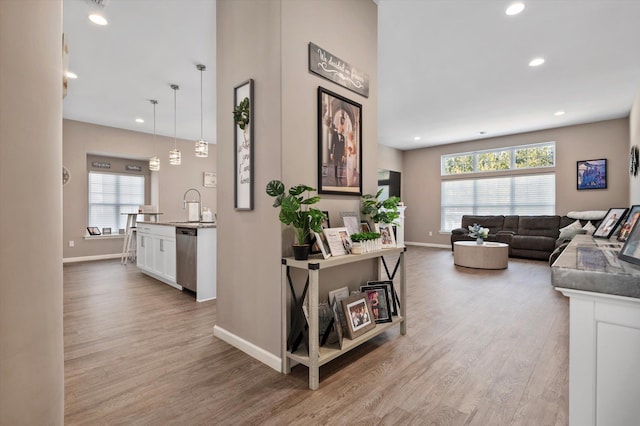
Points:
(544, 226)
(494, 223)
(570, 231)
(511, 223)
(532, 242)
(590, 228)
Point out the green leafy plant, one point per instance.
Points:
(294, 208)
(241, 114)
(364, 236)
(380, 211)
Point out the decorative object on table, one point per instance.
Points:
(201, 147)
(351, 221)
(121, 231)
(337, 295)
(364, 226)
(93, 230)
(630, 251)
(175, 157)
(380, 211)
(320, 245)
(365, 242)
(391, 291)
(387, 235)
(339, 144)
(358, 315)
(106, 231)
(210, 179)
(154, 161)
(478, 232)
(380, 303)
(338, 240)
(243, 152)
(634, 160)
(335, 69)
(592, 174)
(295, 211)
(632, 218)
(337, 320)
(610, 222)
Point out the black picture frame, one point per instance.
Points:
(610, 223)
(93, 230)
(243, 149)
(630, 251)
(339, 137)
(627, 226)
(591, 174)
(391, 291)
(380, 303)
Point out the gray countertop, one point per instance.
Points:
(182, 224)
(592, 264)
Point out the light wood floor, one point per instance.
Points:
(482, 348)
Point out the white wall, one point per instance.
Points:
(31, 336)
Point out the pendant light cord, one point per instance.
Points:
(175, 114)
(201, 121)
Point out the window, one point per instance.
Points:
(111, 194)
(501, 159)
(505, 195)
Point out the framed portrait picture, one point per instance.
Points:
(627, 226)
(592, 174)
(391, 292)
(610, 223)
(364, 226)
(244, 138)
(339, 144)
(336, 308)
(351, 221)
(630, 251)
(358, 315)
(93, 230)
(338, 240)
(320, 245)
(386, 234)
(380, 303)
(337, 295)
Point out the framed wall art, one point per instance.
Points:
(339, 144)
(243, 148)
(610, 223)
(592, 174)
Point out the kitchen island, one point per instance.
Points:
(157, 254)
(604, 333)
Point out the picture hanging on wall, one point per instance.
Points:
(592, 174)
(339, 144)
(244, 138)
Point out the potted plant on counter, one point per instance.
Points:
(385, 211)
(295, 211)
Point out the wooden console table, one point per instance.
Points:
(316, 355)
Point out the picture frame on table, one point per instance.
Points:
(380, 302)
(106, 231)
(93, 230)
(320, 245)
(243, 145)
(364, 226)
(337, 295)
(630, 251)
(387, 235)
(391, 291)
(338, 240)
(358, 315)
(627, 226)
(351, 221)
(336, 308)
(610, 223)
(592, 174)
(339, 144)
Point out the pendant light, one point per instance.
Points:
(154, 162)
(202, 147)
(175, 158)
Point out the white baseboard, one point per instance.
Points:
(88, 258)
(249, 348)
(410, 243)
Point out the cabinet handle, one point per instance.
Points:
(161, 245)
(141, 240)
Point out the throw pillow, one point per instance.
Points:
(570, 231)
(588, 215)
(589, 228)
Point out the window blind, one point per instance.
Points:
(110, 195)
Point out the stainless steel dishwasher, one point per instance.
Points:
(186, 258)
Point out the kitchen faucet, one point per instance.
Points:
(184, 201)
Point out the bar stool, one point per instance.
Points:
(127, 252)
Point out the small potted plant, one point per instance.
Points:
(295, 211)
(478, 232)
(365, 242)
(380, 211)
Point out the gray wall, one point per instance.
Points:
(605, 139)
(167, 185)
(634, 139)
(268, 42)
(31, 336)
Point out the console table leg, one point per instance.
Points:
(286, 362)
(403, 295)
(314, 347)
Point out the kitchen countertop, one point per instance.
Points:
(592, 264)
(182, 224)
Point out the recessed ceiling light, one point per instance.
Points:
(417, 138)
(69, 74)
(98, 19)
(139, 120)
(536, 62)
(558, 113)
(514, 9)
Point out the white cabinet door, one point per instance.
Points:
(168, 254)
(144, 251)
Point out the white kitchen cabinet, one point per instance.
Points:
(156, 246)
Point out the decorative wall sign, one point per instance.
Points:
(592, 174)
(210, 180)
(634, 160)
(100, 165)
(339, 144)
(335, 69)
(243, 152)
(131, 168)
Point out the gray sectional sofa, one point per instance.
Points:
(530, 237)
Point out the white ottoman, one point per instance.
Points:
(481, 256)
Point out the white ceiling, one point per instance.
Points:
(448, 69)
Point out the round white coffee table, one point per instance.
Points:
(481, 256)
